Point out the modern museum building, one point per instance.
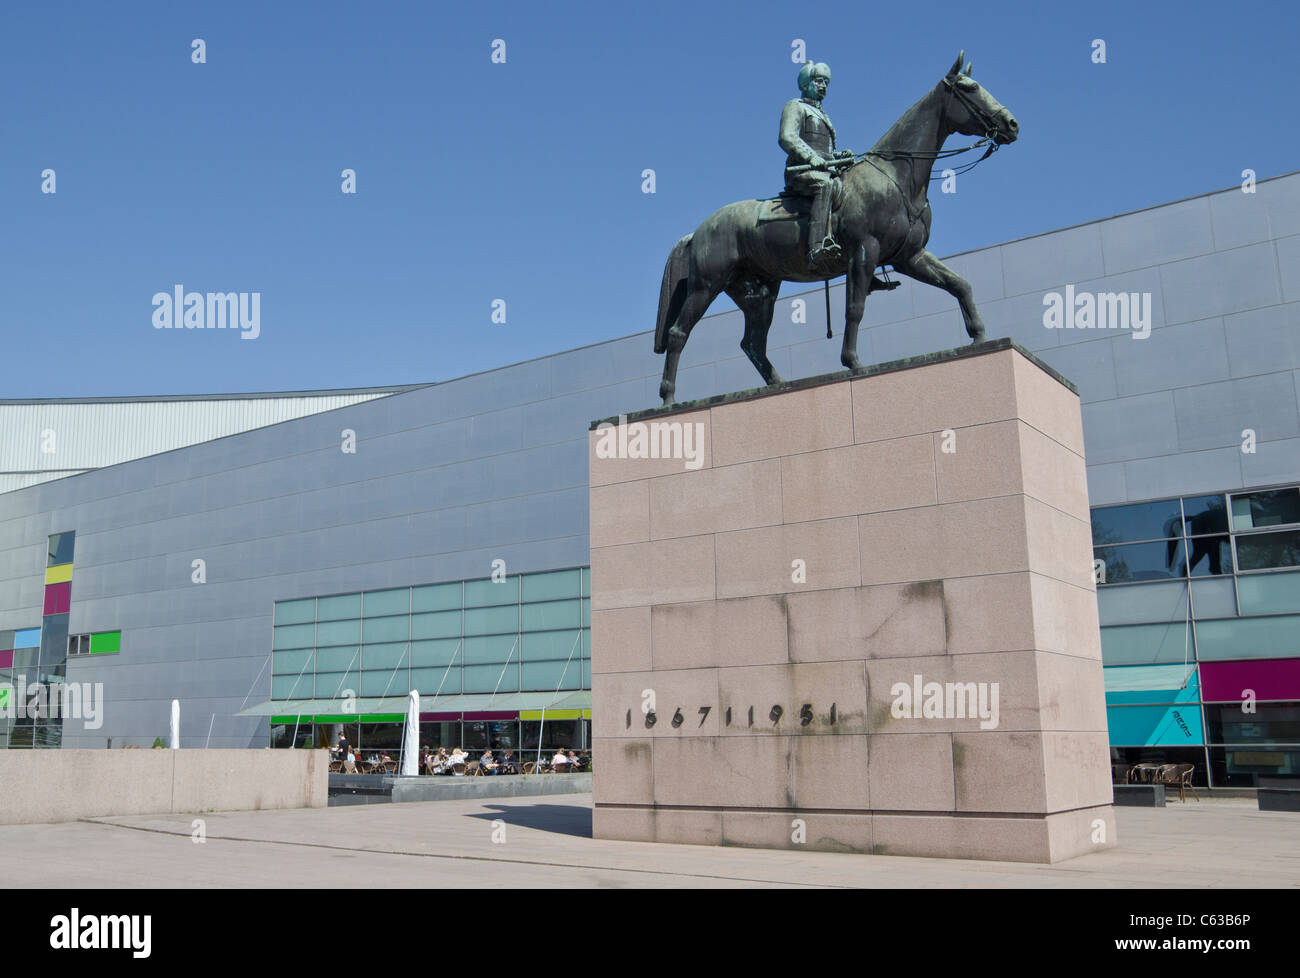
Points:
(289, 564)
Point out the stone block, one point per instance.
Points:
(620, 513)
(658, 572)
(730, 497)
(730, 632)
(881, 620)
(623, 637)
(847, 481)
(950, 394)
(606, 471)
(762, 561)
(780, 425)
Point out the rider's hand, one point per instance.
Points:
(845, 154)
(817, 162)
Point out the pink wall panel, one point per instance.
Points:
(58, 598)
(1271, 679)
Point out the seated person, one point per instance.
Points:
(458, 759)
(508, 764)
(560, 762)
(488, 763)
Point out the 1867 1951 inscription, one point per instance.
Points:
(805, 717)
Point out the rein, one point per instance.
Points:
(990, 132)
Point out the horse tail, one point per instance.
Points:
(672, 294)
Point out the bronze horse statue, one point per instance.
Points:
(881, 217)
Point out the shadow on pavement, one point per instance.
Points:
(562, 819)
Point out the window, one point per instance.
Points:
(1140, 562)
(1204, 515)
(60, 550)
(1274, 507)
(1260, 551)
(1144, 521)
(78, 645)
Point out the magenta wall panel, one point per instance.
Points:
(58, 598)
(6, 659)
(1271, 679)
(492, 715)
(439, 717)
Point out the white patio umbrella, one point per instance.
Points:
(411, 737)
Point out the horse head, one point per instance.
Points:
(972, 111)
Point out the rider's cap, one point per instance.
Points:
(806, 73)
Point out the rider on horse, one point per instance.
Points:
(808, 138)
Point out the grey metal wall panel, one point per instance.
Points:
(1214, 415)
(1221, 283)
(1194, 353)
(1239, 218)
(1130, 427)
(1047, 262)
(1156, 236)
(1271, 462)
(1288, 263)
(1187, 473)
(1106, 484)
(1264, 340)
(1090, 366)
(901, 340)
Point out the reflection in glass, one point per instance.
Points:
(1141, 562)
(1258, 551)
(1209, 556)
(1271, 723)
(60, 551)
(1272, 508)
(1205, 514)
(1143, 521)
(1241, 767)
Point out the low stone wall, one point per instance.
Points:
(504, 786)
(65, 785)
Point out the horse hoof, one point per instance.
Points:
(851, 363)
(774, 379)
(977, 337)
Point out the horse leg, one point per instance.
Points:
(766, 311)
(693, 309)
(758, 305)
(862, 263)
(924, 267)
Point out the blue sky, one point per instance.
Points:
(522, 181)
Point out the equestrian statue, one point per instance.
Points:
(840, 214)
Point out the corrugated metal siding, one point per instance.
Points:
(93, 435)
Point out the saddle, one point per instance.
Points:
(791, 207)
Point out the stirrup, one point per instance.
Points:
(828, 250)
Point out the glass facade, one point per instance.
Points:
(1199, 603)
(489, 638)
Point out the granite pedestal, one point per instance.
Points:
(852, 613)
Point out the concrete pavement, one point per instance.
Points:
(547, 843)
